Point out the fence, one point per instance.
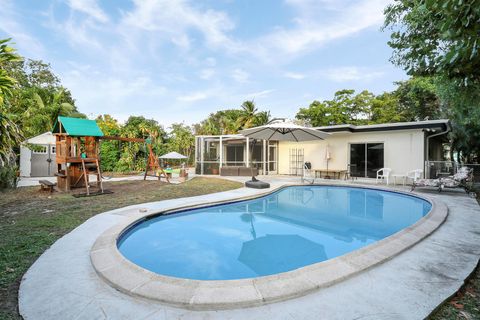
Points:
(438, 169)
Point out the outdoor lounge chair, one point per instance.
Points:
(434, 183)
(458, 180)
(307, 173)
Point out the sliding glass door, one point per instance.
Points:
(366, 159)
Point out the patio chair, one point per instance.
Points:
(348, 173)
(383, 174)
(307, 173)
(414, 175)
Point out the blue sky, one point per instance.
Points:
(177, 61)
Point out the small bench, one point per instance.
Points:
(46, 185)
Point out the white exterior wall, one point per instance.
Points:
(403, 150)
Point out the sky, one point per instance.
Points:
(178, 61)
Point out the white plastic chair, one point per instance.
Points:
(414, 175)
(307, 173)
(383, 174)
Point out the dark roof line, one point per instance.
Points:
(443, 124)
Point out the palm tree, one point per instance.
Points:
(249, 112)
(10, 134)
(51, 108)
(262, 118)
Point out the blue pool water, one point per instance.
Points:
(283, 231)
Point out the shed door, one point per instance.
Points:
(42, 162)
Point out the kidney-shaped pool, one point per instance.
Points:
(288, 229)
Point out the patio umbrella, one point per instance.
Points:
(328, 156)
(279, 130)
(173, 155)
(274, 253)
(284, 131)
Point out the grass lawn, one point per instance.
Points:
(31, 221)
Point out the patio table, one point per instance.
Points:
(402, 176)
(336, 174)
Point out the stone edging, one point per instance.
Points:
(131, 279)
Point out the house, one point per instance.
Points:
(402, 146)
(37, 156)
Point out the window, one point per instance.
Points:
(40, 150)
(53, 149)
(235, 155)
(366, 159)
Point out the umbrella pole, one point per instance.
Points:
(251, 159)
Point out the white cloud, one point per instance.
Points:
(177, 19)
(89, 7)
(22, 39)
(240, 75)
(196, 96)
(259, 94)
(294, 75)
(310, 32)
(345, 74)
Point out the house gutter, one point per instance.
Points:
(447, 130)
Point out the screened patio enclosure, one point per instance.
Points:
(214, 152)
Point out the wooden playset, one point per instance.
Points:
(78, 154)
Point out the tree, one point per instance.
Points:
(262, 118)
(38, 97)
(418, 98)
(133, 155)
(109, 150)
(345, 107)
(10, 134)
(385, 109)
(181, 140)
(440, 39)
(220, 122)
(462, 106)
(248, 116)
(431, 37)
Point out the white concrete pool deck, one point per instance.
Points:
(62, 283)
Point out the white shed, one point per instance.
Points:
(39, 162)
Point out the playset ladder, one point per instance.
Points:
(86, 172)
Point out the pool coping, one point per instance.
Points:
(133, 280)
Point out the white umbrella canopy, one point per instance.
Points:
(173, 155)
(284, 131)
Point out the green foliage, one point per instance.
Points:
(133, 155)
(10, 134)
(181, 140)
(346, 107)
(7, 55)
(109, 150)
(230, 121)
(8, 176)
(462, 106)
(441, 39)
(431, 37)
(418, 98)
(39, 97)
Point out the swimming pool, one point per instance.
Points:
(283, 231)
